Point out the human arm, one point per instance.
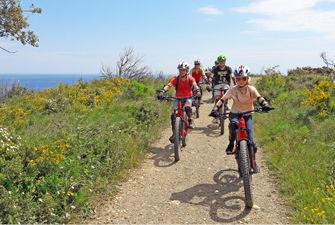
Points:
(262, 101)
(166, 87)
(228, 95)
(196, 88)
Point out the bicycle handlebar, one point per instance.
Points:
(259, 109)
(168, 98)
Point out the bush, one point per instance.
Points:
(297, 146)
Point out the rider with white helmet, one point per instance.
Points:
(242, 95)
(184, 85)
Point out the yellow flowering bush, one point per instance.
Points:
(319, 97)
(50, 155)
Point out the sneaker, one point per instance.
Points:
(215, 120)
(192, 124)
(230, 148)
(171, 139)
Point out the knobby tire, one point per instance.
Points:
(177, 137)
(244, 164)
(184, 129)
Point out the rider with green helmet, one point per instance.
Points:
(221, 76)
(222, 73)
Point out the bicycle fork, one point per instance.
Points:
(184, 119)
(242, 134)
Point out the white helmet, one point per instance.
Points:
(183, 66)
(242, 71)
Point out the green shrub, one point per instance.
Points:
(299, 147)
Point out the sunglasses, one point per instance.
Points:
(241, 78)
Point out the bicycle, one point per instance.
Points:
(218, 92)
(181, 128)
(245, 155)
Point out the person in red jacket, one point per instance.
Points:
(184, 85)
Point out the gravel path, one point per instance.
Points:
(203, 187)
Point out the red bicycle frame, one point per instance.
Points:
(179, 113)
(242, 134)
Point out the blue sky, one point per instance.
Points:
(79, 36)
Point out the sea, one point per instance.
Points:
(38, 82)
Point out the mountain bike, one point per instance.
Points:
(245, 156)
(218, 92)
(181, 128)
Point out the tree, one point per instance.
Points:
(326, 60)
(329, 63)
(128, 66)
(14, 25)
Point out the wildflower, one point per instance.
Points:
(40, 200)
(73, 207)
(322, 214)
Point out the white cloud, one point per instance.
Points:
(210, 10)
(292, 15)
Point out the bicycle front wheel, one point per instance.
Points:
(244, 166)
(177, 138)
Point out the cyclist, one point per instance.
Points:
(197, 73)
(184, 85)
(222, 74)
(242, 95)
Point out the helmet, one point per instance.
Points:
(197, 62)
(242, 71)
(221, 58)
(216, 62)
(183, 66)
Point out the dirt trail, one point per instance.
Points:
(203, 187)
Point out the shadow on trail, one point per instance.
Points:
(163, 157)
(212, 130)
(223, 208)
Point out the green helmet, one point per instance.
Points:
(221, 58)
(216, 62)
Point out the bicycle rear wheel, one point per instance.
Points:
(197, 111)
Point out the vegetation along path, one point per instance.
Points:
(203, 187)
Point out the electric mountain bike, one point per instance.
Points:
(245, 156)
(181, 126)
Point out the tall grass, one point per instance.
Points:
(299, 144)
(60, 147)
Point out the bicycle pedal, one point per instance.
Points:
(230, 153)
